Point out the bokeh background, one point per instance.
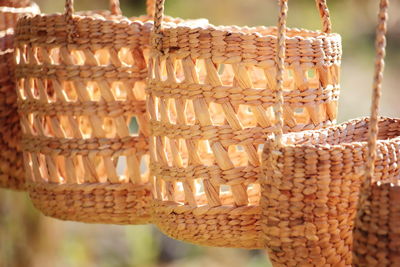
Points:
(27, 238)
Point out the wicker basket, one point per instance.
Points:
(81, 96)
(312, 183)
(377, 230)
(11, 163)
(209, 114)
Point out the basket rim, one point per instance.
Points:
(270, 138)
(33, 7)
(192, 28)
(92, 15)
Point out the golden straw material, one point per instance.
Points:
(83, 115)
(377, 230)
(11, 165)
(15, 3)
(210, 98)
(309, 198)
(312, 179)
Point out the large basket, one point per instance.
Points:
(310, 201)
(82, 106)
(313, 179)
(377, 229)
(210, 97)
(11, 163)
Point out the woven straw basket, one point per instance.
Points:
(81, 94)
(313, 178)
(377, 230)
(11, 163)
(210, 97)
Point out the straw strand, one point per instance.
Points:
(158, 17)
(325, 15)
(377, 88)
(280, 60)
(150, 7)
(115, 7)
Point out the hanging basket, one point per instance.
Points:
(313, 179)
(82, 104)
(310, 198)
(209, 112)
(377, 229)
(11, 163)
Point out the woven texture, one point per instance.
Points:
(377, 229)
(11, 166)
(310, 196)
(82, 105)
(15, 3)
(377, 233)
(210, 111)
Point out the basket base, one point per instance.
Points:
(224, 226)
(94, 202)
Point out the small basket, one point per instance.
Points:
(312, 182)
(82, 105)
(11, 163)
(210, 110)
(377, 228)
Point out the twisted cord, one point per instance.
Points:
(69, 11)
(115, 7)
(325, 15)
(150, 7)
(158, 18)
(280, 60)
(380, 45)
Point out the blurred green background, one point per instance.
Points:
(29, 239)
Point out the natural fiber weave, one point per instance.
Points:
(15, 3)
(11, 166)
(377, 230)
(81, 94)
(312, 180)
(210, 111)
(310, 198)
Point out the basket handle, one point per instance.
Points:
(159, 13)
(380, 46)
(114, 6)
(280, 62)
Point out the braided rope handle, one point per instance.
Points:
(159, 13)
(114, 6)
(150, 5)
(380, 46)
(158, 18)
(280, 61)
